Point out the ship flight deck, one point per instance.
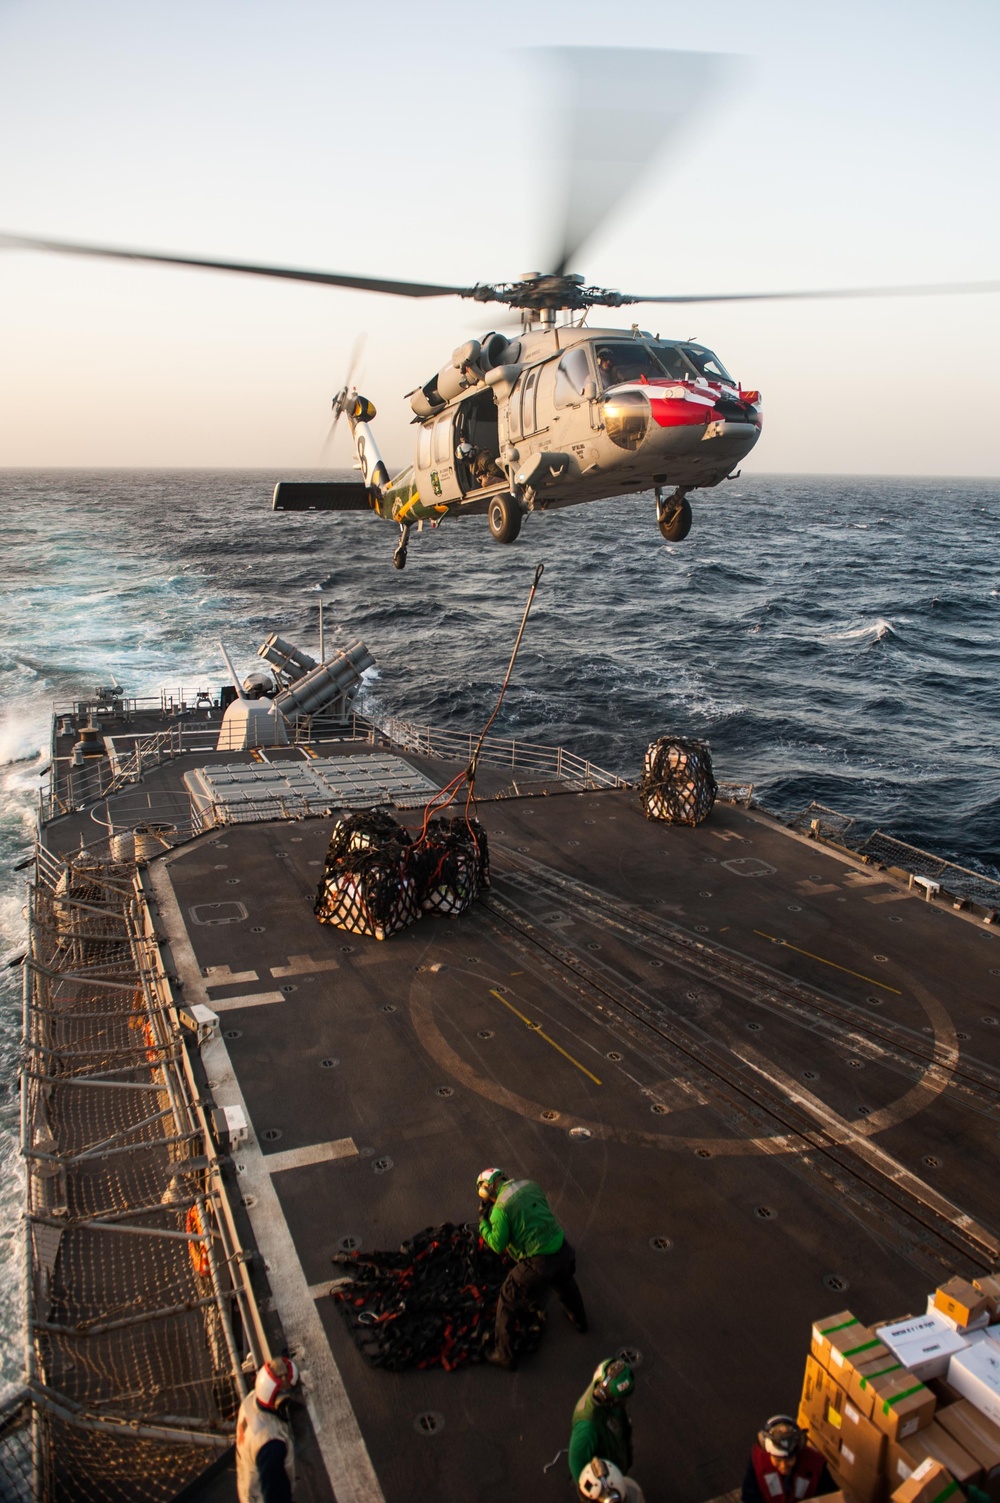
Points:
(758, 1078)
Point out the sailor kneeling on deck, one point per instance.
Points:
(515, 1219)
(600, 1442)
(782, 1467)
(265, 1454)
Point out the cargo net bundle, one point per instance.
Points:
(431, 1303)
(908, 1411)
(377, 880)
(678, 785)
(131, 1371)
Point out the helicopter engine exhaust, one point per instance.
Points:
(468, 368)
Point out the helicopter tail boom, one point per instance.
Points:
(373, 469)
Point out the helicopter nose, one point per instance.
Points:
(626, 418)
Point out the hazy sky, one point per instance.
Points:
(860, 145)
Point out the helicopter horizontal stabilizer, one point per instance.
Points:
(321, 495)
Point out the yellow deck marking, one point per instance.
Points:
(537, 1028)
(823, 961)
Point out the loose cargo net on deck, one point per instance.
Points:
(430, 1304)
(377, 880)
(678, 786)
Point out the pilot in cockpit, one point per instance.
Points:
(609, 371)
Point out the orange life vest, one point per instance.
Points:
(198, 1250)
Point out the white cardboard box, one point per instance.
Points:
(909, 1329)
(975, 1373)
(925, 1344)
(979, 1324)
(991, 1333)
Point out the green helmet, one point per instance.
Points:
(613, 1381)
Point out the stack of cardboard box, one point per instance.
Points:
(909, 1410)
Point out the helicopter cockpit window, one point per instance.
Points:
(707, 364)
(529, 420)
(571, 377)
(674, 362)
(424, 447)
(627, 362)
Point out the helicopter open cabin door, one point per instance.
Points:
(477, 445)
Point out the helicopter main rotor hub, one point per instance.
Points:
(554, 292)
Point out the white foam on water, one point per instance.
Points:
(872, 631)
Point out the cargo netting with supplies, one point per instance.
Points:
(430, 1303)
(678, 786)
(378, 879)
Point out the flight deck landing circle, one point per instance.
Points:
(933, 1080)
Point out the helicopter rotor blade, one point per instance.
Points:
(613, 109)
(9, 241)
(925, 289)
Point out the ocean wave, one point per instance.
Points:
(869, 631)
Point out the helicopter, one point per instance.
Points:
(561, 413)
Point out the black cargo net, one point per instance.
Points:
(377, 880)
(677, 784)
(432, 1303)
(452, 863)
(366, 887)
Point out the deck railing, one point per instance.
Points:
(935, 874)
(73, 789)
(525, 757)
(130, 1399)
(18, 1471)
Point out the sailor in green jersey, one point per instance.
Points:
(602, 1430)
(515, 1219)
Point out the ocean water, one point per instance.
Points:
(833, 638)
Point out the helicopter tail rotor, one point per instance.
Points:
(344, 396)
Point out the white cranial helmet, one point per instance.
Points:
(275, 1382)
(602, 1480)
(487, 1183)
(781, 1437)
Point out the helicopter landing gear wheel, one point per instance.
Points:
(674, 517)
(504, 516)
(399, 557)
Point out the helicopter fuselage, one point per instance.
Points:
(557, 417)
(567, 416)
